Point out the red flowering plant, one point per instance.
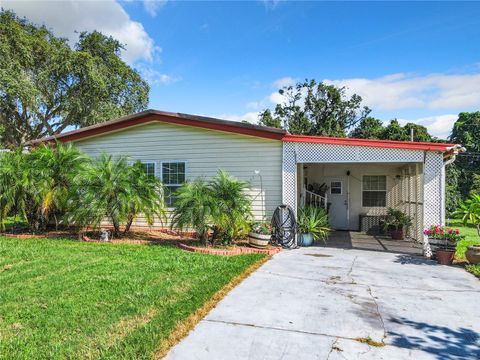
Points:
(449, 235)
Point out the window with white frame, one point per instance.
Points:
(336, 187)
(173, 176)
(149, 168)
(374, 191)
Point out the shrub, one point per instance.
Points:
(396, 220)
(313, 220)
(110, 188)
(35, 185)
(470, 211)
(221, 205)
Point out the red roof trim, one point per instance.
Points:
(233, 127)
(409, 145)
(173, 118)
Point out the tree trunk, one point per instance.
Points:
(116, 227)
(129, 224)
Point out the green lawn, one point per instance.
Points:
(64, 299)
(471, 238)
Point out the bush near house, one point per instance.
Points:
(69, 300)
(60, 185)
(220, 206)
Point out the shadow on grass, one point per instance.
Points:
(443, 342)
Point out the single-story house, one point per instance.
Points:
(356, 179)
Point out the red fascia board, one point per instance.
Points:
(409, 145)
(115, 126)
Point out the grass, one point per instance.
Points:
(471, 238)
(61, 299)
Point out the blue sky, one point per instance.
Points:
(412, 61)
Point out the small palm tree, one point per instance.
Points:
(233, 206)
(101, 192)
(14, 185)
(110, 188)
(194, 205)
(469, 211)
(145, 196)
(54, 169)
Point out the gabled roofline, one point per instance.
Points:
(169, 117)
(148, 116)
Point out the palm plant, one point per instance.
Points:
(232, 212)
(110, 188)
(145, 196)
(102, 192)
(470, 211)
(14, 185)
(194, 205)
(314, 220)
(54, 169)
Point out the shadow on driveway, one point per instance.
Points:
(444, 342)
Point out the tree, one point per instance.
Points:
(312, 108)
(221, 205)
(107, 189)
(145, 197)
(266, 118)
(233, 207)
(395, 131)
(470, 211)
(47, 86)
(368, 128)
(194, 205)
(466, 131)
(34, 186)
(420, 132)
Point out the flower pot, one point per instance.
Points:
(473, 254)
(305, 240)
(258, 240)
(444, 257)
(396, 234)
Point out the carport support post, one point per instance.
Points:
(433, 194)
(289, 177)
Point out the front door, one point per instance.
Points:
(338, 200)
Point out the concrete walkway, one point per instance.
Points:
(326, 303)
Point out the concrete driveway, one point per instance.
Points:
(325, 303)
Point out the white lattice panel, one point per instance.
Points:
(289, 177)
(433, 194)
(325, 153)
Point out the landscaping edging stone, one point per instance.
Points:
(229, 252)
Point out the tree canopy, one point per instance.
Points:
(372, 128)
(312, 108)
(47, 86)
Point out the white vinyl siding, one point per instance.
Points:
(204, 151)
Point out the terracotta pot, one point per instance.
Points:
(473, 254)
(258, 240)
(396, 234)
(444, 257)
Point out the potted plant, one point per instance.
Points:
(312, 225)
(444, 241)
(395, 222)
(260, 234)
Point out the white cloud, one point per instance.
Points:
(440, 125)
(152, 6)
(251, 117)
(402, 91)
(154, 77)
(107, 16)
(283, 82)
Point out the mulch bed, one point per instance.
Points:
(183, 240)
